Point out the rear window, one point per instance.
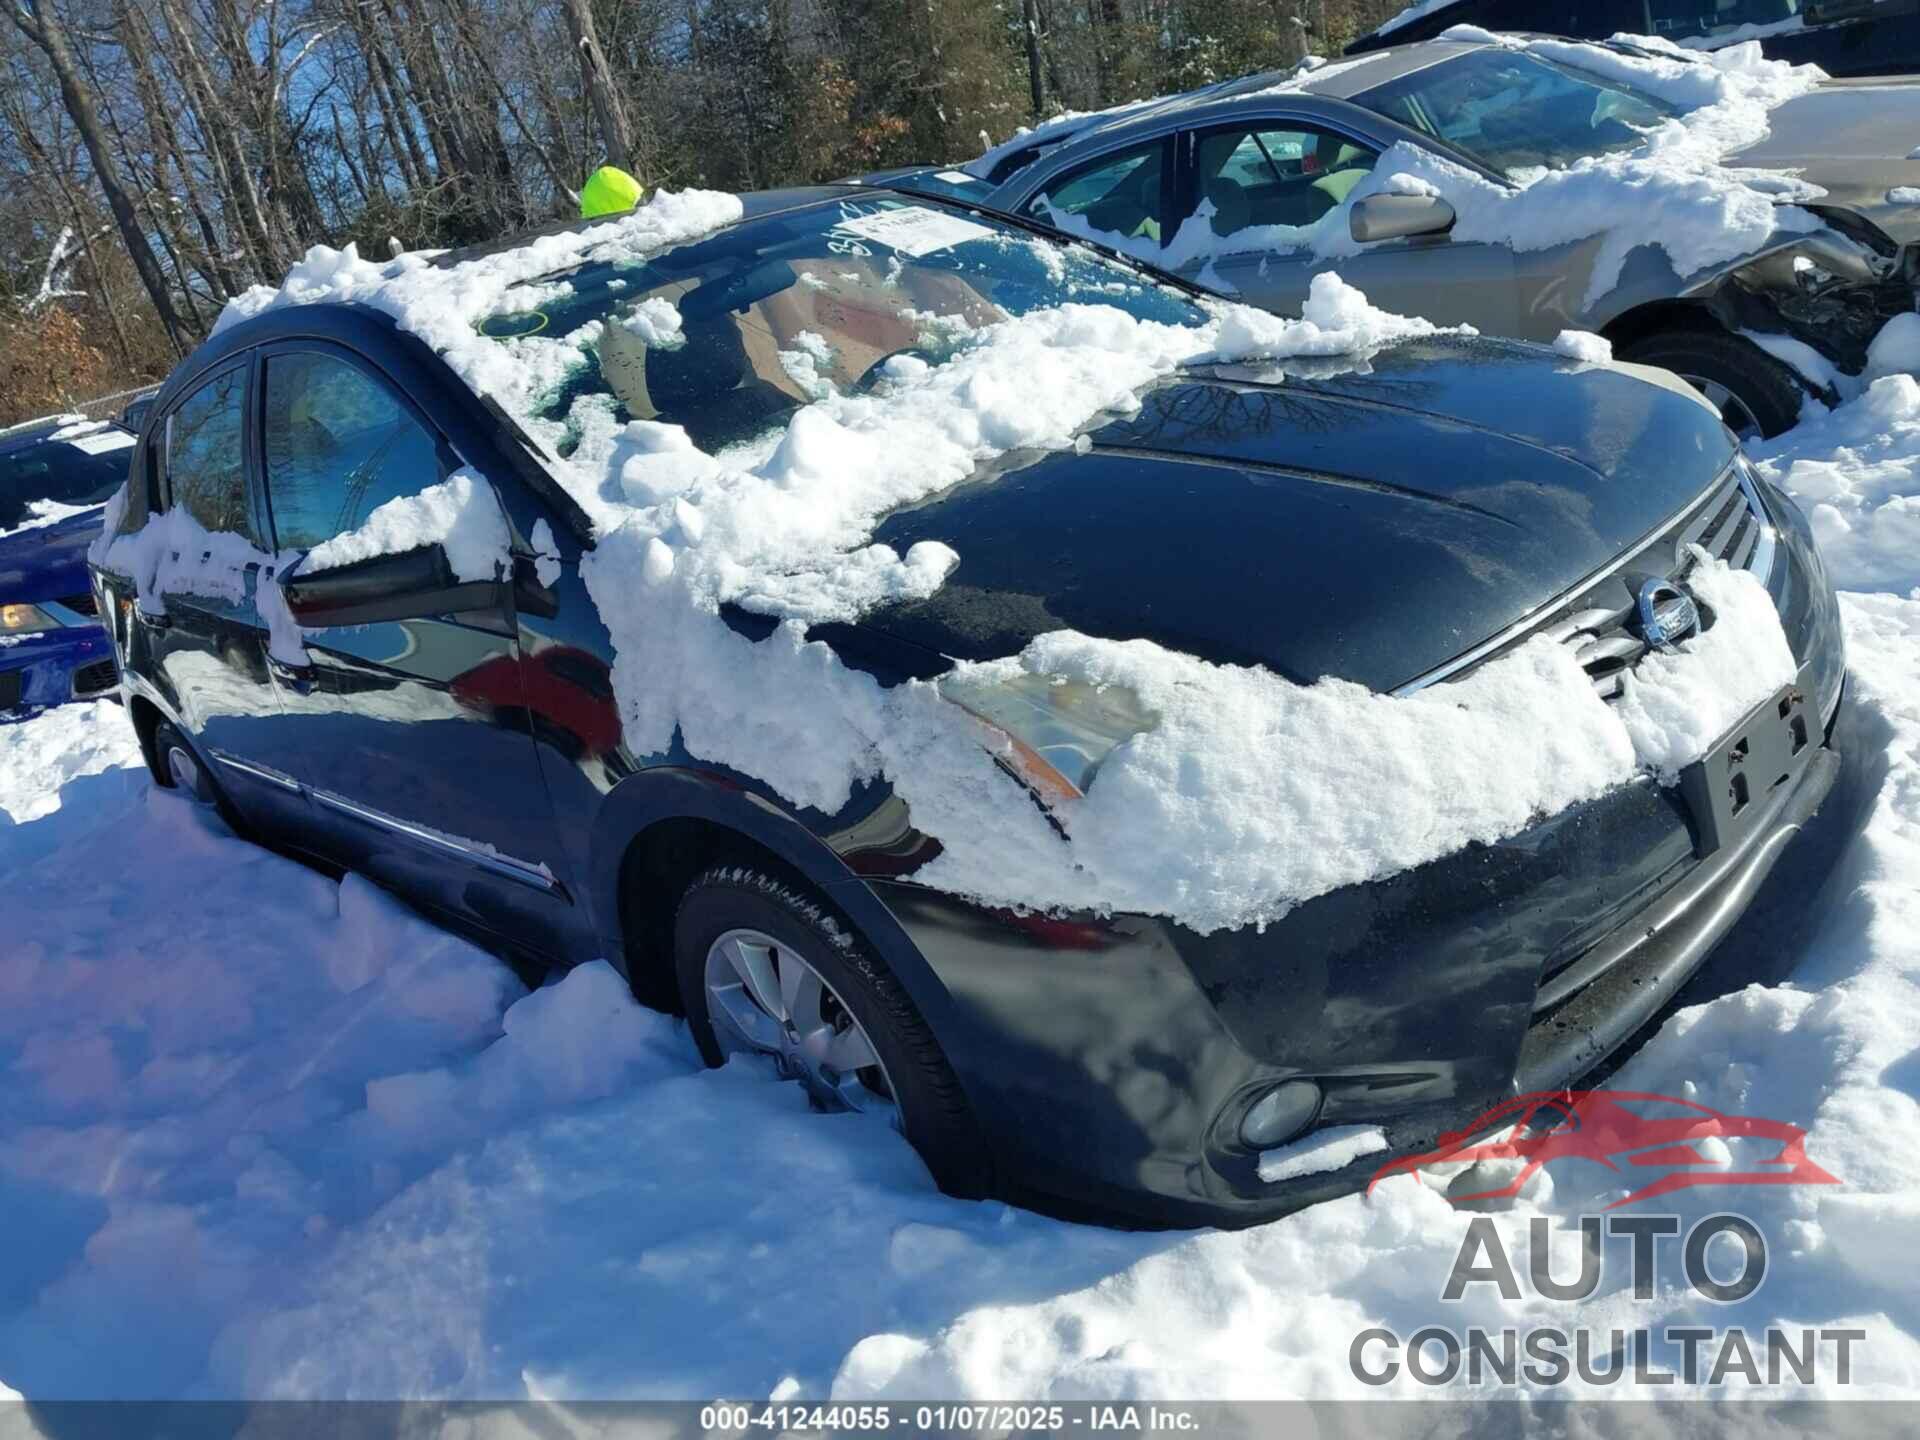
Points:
(62, 472)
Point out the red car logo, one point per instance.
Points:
(1623, 1130)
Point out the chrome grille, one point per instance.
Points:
(1730, 525)
(1601, 622)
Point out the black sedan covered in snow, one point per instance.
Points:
(530, 746)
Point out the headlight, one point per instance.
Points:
(1057, 732)
(25, 620)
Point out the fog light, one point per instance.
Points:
(1280, 1114)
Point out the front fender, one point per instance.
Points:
(665, 793)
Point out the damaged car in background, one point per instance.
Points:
(1511, 183)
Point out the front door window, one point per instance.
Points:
(206, 456)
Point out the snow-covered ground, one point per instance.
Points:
(264, 1133)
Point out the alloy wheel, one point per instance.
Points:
(764, 998)
(186, 773)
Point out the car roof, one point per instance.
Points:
(1344, 79)
(29, 433)
(754, 205)
(1337, 80)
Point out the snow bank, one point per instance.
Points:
(460, 514)
(40, 755)
(1857, 471)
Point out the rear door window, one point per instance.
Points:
(1118, 199)
(1275, 176)
(206, 459)
(339, 444)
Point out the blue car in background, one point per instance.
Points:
(55, 478)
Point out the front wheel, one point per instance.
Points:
(175, 765)
(765, 970)
(1757, 395)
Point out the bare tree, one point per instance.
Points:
(1036, 76)
(616, 136)
(40, 23)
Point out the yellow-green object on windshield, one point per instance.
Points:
(608, 191)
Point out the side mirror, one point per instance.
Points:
(1398, 217)
(408, 585)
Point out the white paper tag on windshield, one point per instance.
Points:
(957, 177)
(103, 442)
(914, 230)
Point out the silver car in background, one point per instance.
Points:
(1278, 150)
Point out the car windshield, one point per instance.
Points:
(943, 185)
(85, 471)
(728, 337)
(1514, 112)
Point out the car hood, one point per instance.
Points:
(1370, 523)
(1855, 142)
(47, 562)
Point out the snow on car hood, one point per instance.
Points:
(1856, 142)
(1374, 784)
(1520, 474)
(1679, 191)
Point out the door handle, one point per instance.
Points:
(153, 620)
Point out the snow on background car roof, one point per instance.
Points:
(785, 529)
(1674, 191)
(1419, 10)
(267, 1134)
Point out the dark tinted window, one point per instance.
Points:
(1276, 175)
(1115, 197)
(62, 472)
(731, 335)
(1687, 19)
(206, 457)
(339, 444)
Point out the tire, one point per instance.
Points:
(732, 901)
(1734, 373)
(200, 786)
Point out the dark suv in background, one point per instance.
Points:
(1842, 37)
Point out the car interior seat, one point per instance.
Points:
(1232, 208)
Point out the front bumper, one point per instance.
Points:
(1111, 1058)
(55, 666)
